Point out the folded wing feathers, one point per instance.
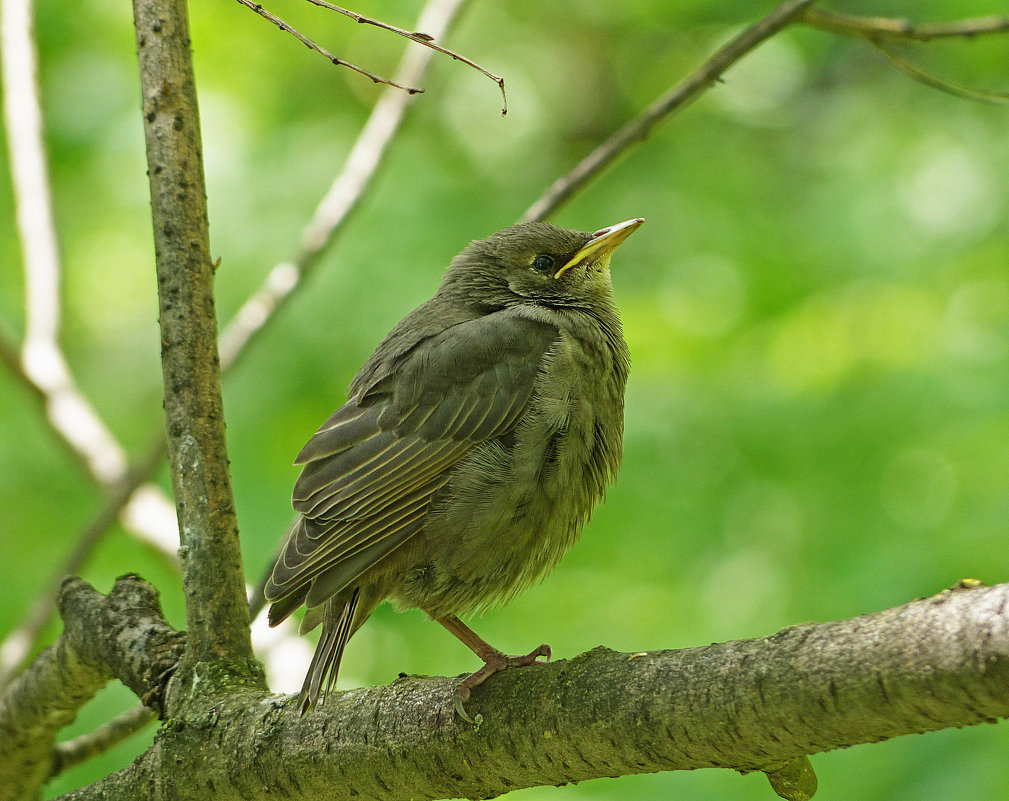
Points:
(371, 470)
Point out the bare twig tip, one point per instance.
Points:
(419, 37)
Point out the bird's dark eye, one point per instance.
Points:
(544, 264)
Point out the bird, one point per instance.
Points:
(473, 446)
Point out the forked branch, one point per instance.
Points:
(420, 37)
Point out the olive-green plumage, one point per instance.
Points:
(475, 442)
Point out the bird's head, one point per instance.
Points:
(539, 263)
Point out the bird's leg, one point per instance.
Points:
(494, 661)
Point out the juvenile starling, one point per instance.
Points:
(473, 447)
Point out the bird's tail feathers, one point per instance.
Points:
(337, 626)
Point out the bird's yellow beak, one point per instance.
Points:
(602, 244)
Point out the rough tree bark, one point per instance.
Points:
(217, 616)
(747, 705)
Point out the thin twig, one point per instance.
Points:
(421, 37)
(217, 613)
(888, 28)
(87, 746)
(268, 15)
(343, 195)
(935, 81)
(680, 96)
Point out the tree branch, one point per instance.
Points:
(217, 617)
(41, 366)
(422, 37)
(343, 195)
(935, 81)
(881, 32)
(311, 45)
(787, 13)
(87, 746)
(745, 705)
(889, 28)
(123, 635)
(19, 643)
(679, 97)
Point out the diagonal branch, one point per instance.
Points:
(787, 13)
(70, 753)
(680, 96)
(344, 194)
(745, 705)
(44, 366)
(19, 643)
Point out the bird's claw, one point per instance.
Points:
(459, 699)
(494, 663)
(544, 650)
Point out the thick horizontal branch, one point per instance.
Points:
(746, 705)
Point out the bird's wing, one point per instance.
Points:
(372, 468)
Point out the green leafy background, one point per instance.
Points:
(817, 307)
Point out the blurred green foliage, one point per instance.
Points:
(818, 311)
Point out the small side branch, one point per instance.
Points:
(420, 37)
(936, 81)
(311, 45)
(882, 32)
(677, 98)
(87, 746)
(122, 635)
(889, 28)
